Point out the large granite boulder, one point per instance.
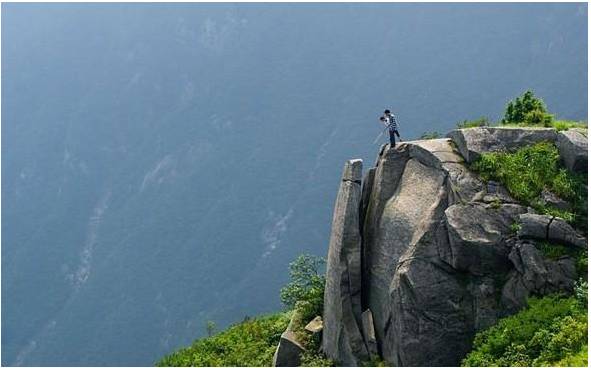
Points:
(478, 234)
(572, 145)
(473, 142)
(341, 339)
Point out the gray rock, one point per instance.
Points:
(434, 152)
(289, 350)
(314, 325)
(551, 199)
(341, 338)
(560, 231)
(553, 229)
(369, 333)
(534, 226)
(477, 235)
(400, 222)
(533, 274)
(572, 145)
(473, 142)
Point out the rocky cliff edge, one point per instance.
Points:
(423, 254)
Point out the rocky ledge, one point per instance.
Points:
(423, 254)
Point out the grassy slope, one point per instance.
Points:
(551, 331)
(249, 343)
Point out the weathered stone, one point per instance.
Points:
(551, 199)
(341, 338)
(533, 274)
(534, 226)
(399, 223)
(314, 325)
(553, 229)
(352, 171)
(485, 303)
(572, 145)
(560, 231)
(289, 350)
(477, 234)
(389, 169)
(475, 141)
(369, 333)
(434, 152)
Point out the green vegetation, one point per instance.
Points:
(249, 343)
(430, 135)
(482, 121)
(307, 283)
(528, 171)
(305, 294)
(568, 124)
(527, 110)
(252, 342)
(551, 331)
(555, 251)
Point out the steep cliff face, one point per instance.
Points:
(425, 251)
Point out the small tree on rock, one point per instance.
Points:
(527, 110)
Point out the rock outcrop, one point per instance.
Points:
(429, 251)
(474, 141)
(341, 338)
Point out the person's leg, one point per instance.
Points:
(392, 138)
(396, 131)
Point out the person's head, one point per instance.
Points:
(386, 111)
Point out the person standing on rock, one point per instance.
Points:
(390, 121)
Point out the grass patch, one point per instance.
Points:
(556, 251)
(528, 171)
(568, 124)
(480, 122)
(249, 343)
(550, 331)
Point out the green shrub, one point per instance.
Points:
(526, 172)
(249, 343)
(581, 291)
(307, 282)
(527, 110)
(549, 330)
(482, 121)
